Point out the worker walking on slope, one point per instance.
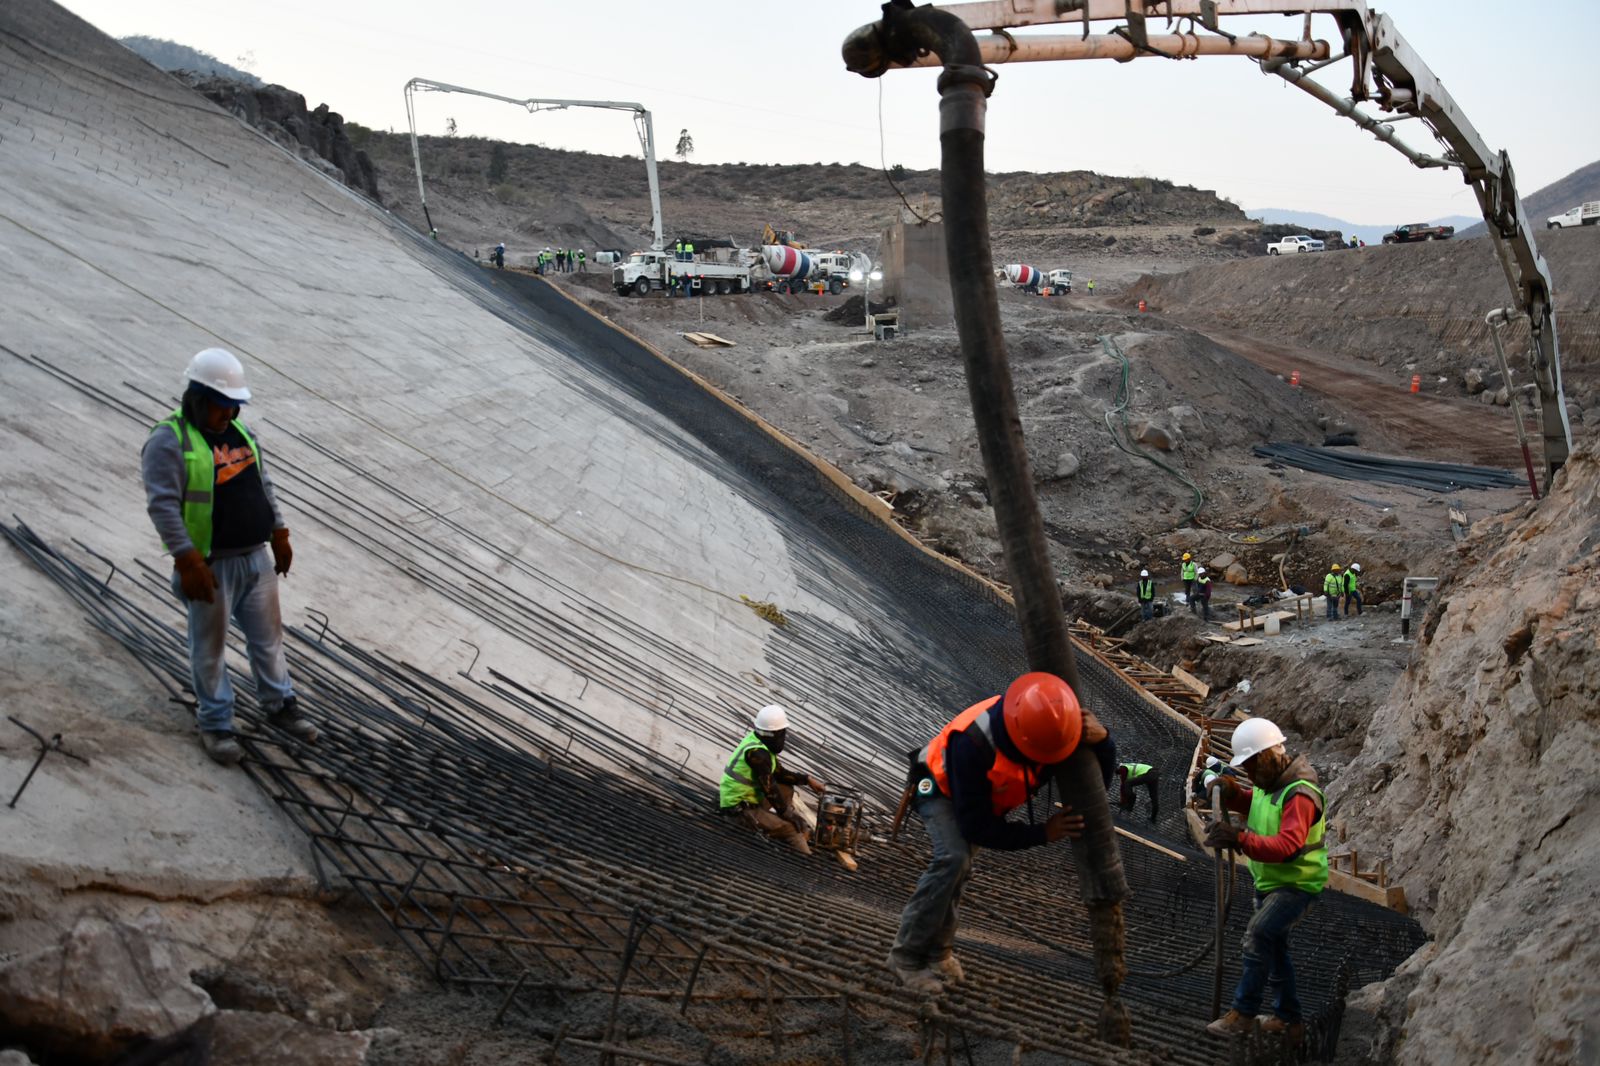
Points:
(212, 504)
(1352, 590)
(1187, 574)
(757, 790)
(1134, 775)
(1332, 589)
(985, 763)
(1282, 838)
(1145, 590)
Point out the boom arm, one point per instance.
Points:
(641, 118)
(1387, 70)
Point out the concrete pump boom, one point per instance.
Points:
(641, 118)
(1387, 71)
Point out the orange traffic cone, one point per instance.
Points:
(1416, 382)
(1141, 305)
(1294, 379)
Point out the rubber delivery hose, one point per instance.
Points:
(899, 38)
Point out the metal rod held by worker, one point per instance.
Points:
(898, 39)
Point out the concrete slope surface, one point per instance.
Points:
(484, 482)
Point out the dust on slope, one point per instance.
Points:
(1478, 780)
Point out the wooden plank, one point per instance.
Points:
(1200, 688)
(1150, 844)
(1247, 642)
(709, 340)
(1258, 620)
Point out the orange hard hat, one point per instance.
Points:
(1043, 718)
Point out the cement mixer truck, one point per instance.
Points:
(803, 270)
(1025, 277)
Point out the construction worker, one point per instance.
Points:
(1282, 839)
(499, 256)
(677, 249)
(755, 789)
(1211, 769)
(212, 504)
(583, 261)
(1091, 286)
(1134, 775)
(985, 763)
(1202, 593)
(1332, 589)
(1352, 590)
(1145, 590)
(1188, 576)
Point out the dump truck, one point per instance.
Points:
(1418, 231)
(660, 271)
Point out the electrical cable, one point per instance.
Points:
(1120, 408)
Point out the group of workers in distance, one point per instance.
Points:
(1341, 585)
(990, 759)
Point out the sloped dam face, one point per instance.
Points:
(527, 608)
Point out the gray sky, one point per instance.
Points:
(761, 82)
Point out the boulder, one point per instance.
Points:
(1474, 381)
(1502, 398)
(1154, 435)
(247, 1038)
(12, 1057)
(1067, 464)
(1221, 562)
(104, 987)
(1236, 574)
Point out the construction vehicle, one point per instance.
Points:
(1294, 245)
(1418, 231)
(1058, 283)
(1586, 214)
(1025, 277)
(838, 827)
(661, 271)
(641, 120)
(803, 270)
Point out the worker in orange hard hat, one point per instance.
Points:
(988, 761)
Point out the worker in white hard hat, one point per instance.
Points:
(209, 496)
(1201, 599)
(1145, 591)
(1211, 768)
(1283, 840)
(755, 788)
(1352, 588)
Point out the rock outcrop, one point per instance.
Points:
(319, 136)
(1479, 781)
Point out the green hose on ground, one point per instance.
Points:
(1121, 410)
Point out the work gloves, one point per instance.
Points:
(282, 554)
(1223, 835)
(195, 576)
(816, 786)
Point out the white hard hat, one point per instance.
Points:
(1199, 570)
(771, 718)
(1144, 573)
(1212, 762)
(217, 369)
(1356, 567)
(1252, 737)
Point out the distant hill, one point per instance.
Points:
(1581, 186)
(1372, 234)
(170, 55)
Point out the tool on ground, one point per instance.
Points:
(838, 827)
(45, 748)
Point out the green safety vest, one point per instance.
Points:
(1332, 585)
(200, 465)
(1204, 583)
(1188, 571)
(581, 257)
(738, 783)
(1307, 870)
(1350, 581)
(1136, 770)
(1147, 589)
(688, 247)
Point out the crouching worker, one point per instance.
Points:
(756, 789)
(1283, 840)
(984, 764)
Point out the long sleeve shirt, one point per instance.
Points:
(765, 777)
(1299, 815)
(166, 480)
(967, 769)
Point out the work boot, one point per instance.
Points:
(221, 746)
(950, 969)
(847, 860)
(924, 982)
(1232, 1024)
(797, 841)
(289, 719)
(1289, 1032)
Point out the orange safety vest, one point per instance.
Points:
(1008, 781)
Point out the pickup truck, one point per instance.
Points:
(1298, 243)
(1418, 231)
(1583, 215)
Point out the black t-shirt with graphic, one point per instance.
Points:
(241, 517)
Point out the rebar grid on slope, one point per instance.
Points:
(511, 870)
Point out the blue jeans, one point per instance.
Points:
(1352, 598)
(247, 591)
(1266, 953)
(928, 924)
(1147, 610)
(1333, 606)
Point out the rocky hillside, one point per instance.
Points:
(1478, 780)
(1578, 187)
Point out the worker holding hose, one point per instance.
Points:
(987, 762)
(1282, 838)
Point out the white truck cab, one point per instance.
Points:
(1586, 214)
(1298, 243)
(1059, 281)
(652, 271)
